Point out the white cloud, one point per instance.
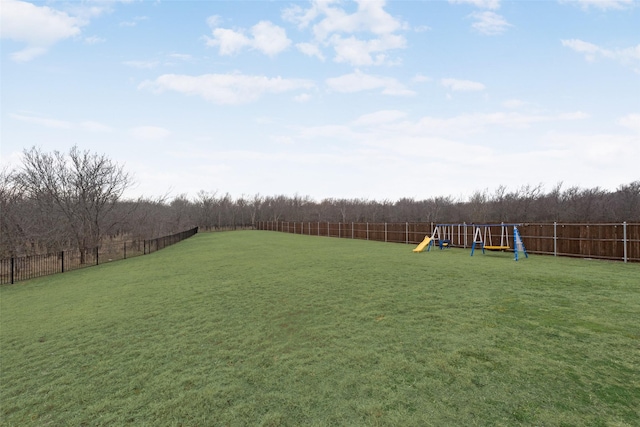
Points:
(181, 56)
(303, 97)
(43, 121)
(482, 4)
(630, 121)
(265, 37)
(150, 133)
(269, 38)
(233, 89)
(310, 49)
(39, 27)
(301, 17)
(28, 53)
(51, 123)
(576, 115)
(462, 85)
(468, 124)
(379, 117)
(513, 103)
(489, 23)
(94, 126)
(618, 153)
(592, 52)
(87, 10)
(486, 22)
(282, 139)
(94, 40)
(134, 22)
(369, 17)
(228, 41)
(333, 23)
(600, 4)
(144, 65)
(358, 82)
(359, 52)
(419, 78)
(214, 21)
(422, 28)
(169, 60)
(332, 132)
(382, 139)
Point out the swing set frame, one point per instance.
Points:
(482, 238)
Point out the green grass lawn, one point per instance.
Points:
(264, 328)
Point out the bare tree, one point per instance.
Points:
(182, 210)
(628, 202)
(255, 205)
(550, 205)
(82, 188)
(478, 206)
(206, 204)
(12, 232)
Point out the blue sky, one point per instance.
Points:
(367, 99)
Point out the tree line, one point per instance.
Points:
(59, 201)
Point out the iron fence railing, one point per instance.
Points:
(17, 269)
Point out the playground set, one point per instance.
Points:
(444, 235)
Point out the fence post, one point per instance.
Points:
(339, 230)
(61, 261)
(125, 250)
(624, 239)
(352, 229)
(555, 238)
(406, 224)
(97, 255)
(13, 264)
(465, 235)
(367, 231)
(385, 231)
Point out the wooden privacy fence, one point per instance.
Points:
(613, 241)
(29, 267)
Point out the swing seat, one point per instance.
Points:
(445, 243)
(497, 248)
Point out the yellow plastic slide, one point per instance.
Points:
(422, 245)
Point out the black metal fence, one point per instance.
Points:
(29, 267)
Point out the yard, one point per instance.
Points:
(266, 328)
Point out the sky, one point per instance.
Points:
(329, 99)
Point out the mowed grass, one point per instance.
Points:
(264, 328)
